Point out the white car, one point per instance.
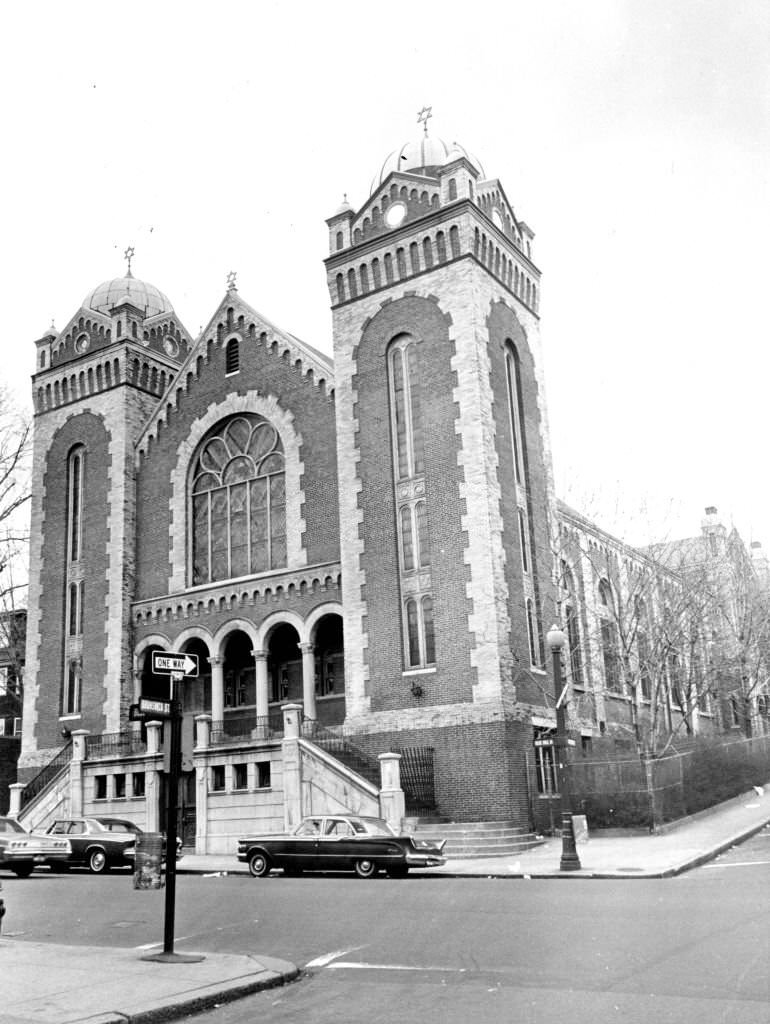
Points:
(20, 850)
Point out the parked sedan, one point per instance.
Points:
(340, 842)
(99, 843)
(20, 850)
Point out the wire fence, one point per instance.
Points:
(647, 792)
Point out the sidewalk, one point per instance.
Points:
(44, 983)
(675, 849)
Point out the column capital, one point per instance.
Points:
(306, 648)
(215, 661)
(259, 655)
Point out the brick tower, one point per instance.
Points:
(94, 387)
(444, 471)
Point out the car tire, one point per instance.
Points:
(365, 868)
(259, 865)
(97, 861)
(399, 872)
(22, 870)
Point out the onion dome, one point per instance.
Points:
(144, 296)
(423, 156)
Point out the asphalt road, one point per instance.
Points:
(450, 951)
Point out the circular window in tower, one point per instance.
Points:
(81, 343)
(171, 347)
(395, 214)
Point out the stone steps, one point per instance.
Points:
(469, 839)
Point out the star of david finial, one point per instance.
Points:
(231, 278)
(128, 255)
(422, 117)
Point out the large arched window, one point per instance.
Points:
(572, 622)
(609, 637)
(406, 407)
(238, 501)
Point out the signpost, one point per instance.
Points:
(177, 666)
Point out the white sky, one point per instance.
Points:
(633, 137)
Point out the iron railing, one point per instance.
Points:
(55, 766)
(240, 726)
(417, 780)
(115, 744)
(342, 750)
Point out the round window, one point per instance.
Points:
(395, 214)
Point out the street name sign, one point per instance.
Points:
(164, 664)
(148, 706)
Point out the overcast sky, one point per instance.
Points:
(633, 137)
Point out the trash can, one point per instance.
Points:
(148, 860)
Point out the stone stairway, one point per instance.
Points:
(469, 839)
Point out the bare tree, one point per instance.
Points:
(15, 443)
(635, 628)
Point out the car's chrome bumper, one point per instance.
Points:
(418, 860)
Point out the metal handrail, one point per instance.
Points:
(47, 774)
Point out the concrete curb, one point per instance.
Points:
(279, 972)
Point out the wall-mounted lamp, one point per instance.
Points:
(416, 690)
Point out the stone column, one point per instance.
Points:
(16, 789)
(217, 691)
(260, 662)
(308, 679)
(76, 771)
(292, 767)
(202, 784)
(152, 779)
(392, 802)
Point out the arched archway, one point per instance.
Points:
(329, 654)
(284, 664)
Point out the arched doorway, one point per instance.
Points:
(195, 698)
(329, 656)
(284, 665)
(239, 680)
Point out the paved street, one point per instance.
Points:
(693, 948)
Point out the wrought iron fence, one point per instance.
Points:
(55, 766)
(115, 744)
(417, 779)
(242, 726)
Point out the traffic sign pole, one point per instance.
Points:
(168, 955)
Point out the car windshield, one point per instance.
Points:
(9, 825)
(374, 826)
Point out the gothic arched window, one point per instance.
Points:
(238, 501)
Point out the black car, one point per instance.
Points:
(98, 843)
(340, 842)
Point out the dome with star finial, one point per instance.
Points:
(423, 155)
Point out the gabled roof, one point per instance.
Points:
(310, 360)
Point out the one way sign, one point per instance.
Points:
(164, 664)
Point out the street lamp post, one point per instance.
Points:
(569, 856)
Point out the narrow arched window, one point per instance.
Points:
(340, 288)
(75, 502)
(454, 240)
(232, 356)
(352, 283)
(376, 276)
(388, 260)
(401, 263)
(427, 252)
(406, 408)
(531, 633)
(441, 246)
(363, 273)
(71, 698)
(452, 189)
(414, 257)
(523, 540)
(238, 501)
(513, 385)
(339, 241)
